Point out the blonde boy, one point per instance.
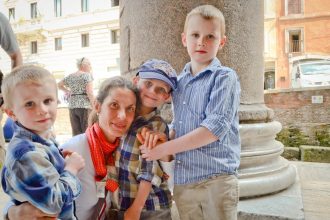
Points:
(205, 105)
(34, 169)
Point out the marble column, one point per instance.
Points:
(152, 29)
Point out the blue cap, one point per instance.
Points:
(158, 69)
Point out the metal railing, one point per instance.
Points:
(295, 46)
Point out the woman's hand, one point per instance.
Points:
(28, 211)
(132, 213)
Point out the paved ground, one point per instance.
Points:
(314, 182)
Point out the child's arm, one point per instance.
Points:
(37, 181)
(220, 113)
(199, 137)
(134, 211)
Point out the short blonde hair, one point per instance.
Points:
(23, 74)
(208, 12)
(82, 61)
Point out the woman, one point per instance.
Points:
(113, 113)
(79, 85)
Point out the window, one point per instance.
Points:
(293, 7)
(115, 36)
(34, 10)
(11, 14)
(114, 3)
(85, 40)
(58, 43)
(58, 8)
(294, 41)
(84, 5)
(269, 80)
(34, 47)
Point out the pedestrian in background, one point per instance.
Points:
(79, 86)
(9, 44)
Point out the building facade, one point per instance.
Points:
(55, 33)
(293, 29)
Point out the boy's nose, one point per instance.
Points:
(201, 42)
(42, 110)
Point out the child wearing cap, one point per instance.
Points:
(205, 107)
(143, 189)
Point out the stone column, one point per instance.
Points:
(152, 29)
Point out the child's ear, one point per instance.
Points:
(184, 39)
(223, 42)
(11, 114)
(136, 80)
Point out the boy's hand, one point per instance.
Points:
(150, 138)
(153, 154)
(74, 162)
(66, 153)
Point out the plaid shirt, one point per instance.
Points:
(132, 168)
(34, 172)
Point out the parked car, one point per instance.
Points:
(310, 73)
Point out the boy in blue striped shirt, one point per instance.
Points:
(206, 124)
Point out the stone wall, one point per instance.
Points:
(295, 107)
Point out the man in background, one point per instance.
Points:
(9, 44)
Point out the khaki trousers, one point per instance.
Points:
(212, 199)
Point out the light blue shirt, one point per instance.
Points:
(209, 99)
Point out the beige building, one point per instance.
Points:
(293, 29)
(54, 33)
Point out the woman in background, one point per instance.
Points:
(79, 85)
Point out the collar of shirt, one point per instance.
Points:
(142, 120)
(22, 131)
(213, 66)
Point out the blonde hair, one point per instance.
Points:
(208, 12)
(82, 61)
(23, 74)
(105, 90)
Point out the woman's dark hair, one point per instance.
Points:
(105, 90)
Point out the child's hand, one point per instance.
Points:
(74, 162)
(151, 138)
(155, 153)
(66, 153)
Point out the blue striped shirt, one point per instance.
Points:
(209, 99)
(34, 172)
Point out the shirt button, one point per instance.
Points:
(184, 103)
(180, 122)
(178, 162)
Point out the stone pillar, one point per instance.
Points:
(152, 29)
